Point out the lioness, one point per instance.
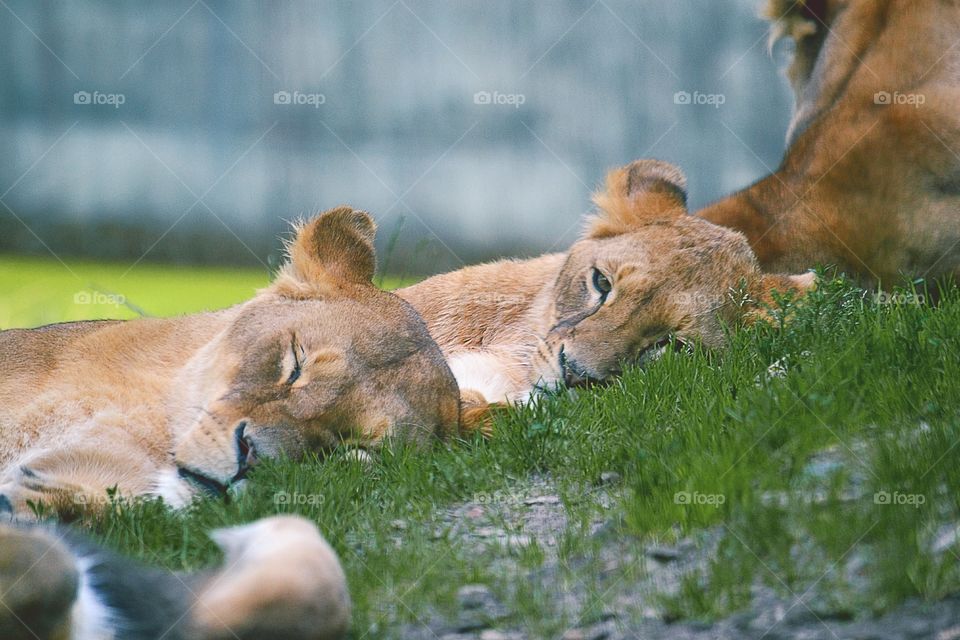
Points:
(871, 179)
(643, 273)
(168, 407)
(279, 580)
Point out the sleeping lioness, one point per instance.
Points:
(871, 179)
(168, 407)
(279, 580)
(643, 273)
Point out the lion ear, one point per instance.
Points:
(327, 251)
(769, 284)
(797, 283)
(644, 191)
(797, 19)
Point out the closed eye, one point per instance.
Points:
(297, 352)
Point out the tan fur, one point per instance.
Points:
(38, 584)
(279, 579)
(85, 407)
(510, 327)
(871, 188)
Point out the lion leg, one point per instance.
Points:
(68, 481)
(24, 504)
(39, 583)
(280, 579)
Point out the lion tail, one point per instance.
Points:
(476, 414)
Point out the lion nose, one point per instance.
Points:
(246, 452)
(573, 374)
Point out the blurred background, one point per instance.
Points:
(189, 133)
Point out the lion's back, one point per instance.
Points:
(30, 355)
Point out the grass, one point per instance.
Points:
(836, 475)
(37, 291)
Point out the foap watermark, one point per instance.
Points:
(899, 298)
(497, 299)
(697, 98)
(299, 98)
(108, 498)
(499, 498)
(298, 499)
(900, 499)
(496, 98)
(699, 298)
(697, 498)
(886, 98)
(97, 98)
(98, 297)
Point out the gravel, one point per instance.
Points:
(629, 607)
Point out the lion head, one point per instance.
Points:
(319, 358)
(644, 275)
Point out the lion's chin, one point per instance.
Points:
(175, 492)
(179, 491)
(656, 350)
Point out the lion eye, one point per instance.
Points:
(601, 283)
(297, 362)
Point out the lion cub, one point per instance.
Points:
(179, 406)
(643, 273)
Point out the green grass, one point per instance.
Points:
(37, 291)
(790, 472)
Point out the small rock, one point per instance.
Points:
(800, 615)
(493, 634)
(542, 500)
(488, 532)
(597, 633)
(664, 554)
(650, 613)
(472, 624)
(953, 633)
(741, 621)
(918, 628)
(400, 525)
(947, 536)
(863, 632)
(475, 596)
(610, 477)
(475, 513)
(517, 541)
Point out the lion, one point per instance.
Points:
(180, 406)
(644, 276)
(279, 579)
(870, 182)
